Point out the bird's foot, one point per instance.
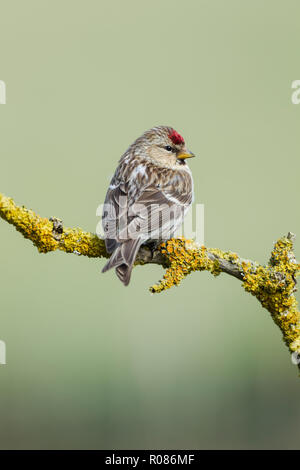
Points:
(152, 245)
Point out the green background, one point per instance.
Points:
(91, 364)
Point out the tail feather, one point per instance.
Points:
(122, 260)
(124, 273)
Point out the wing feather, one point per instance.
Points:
(152, 211)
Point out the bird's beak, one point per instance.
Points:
(185, 154)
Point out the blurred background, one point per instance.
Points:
(91, 364)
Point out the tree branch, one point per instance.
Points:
(274, 284)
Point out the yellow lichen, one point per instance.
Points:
(40, 231)
(183, 258)
(273, 285)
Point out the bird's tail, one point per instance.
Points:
(123, 258)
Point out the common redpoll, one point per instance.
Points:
(148, 196)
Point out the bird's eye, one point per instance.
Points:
(169, 148)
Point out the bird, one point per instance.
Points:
(148, 197)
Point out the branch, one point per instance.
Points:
(274, 284)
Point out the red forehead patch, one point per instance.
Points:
(176, 138)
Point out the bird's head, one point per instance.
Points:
(163, 146)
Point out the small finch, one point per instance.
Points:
(148, 197)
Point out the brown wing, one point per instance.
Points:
(155, 214)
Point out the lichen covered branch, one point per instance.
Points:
(274, 284)
(49, 234)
